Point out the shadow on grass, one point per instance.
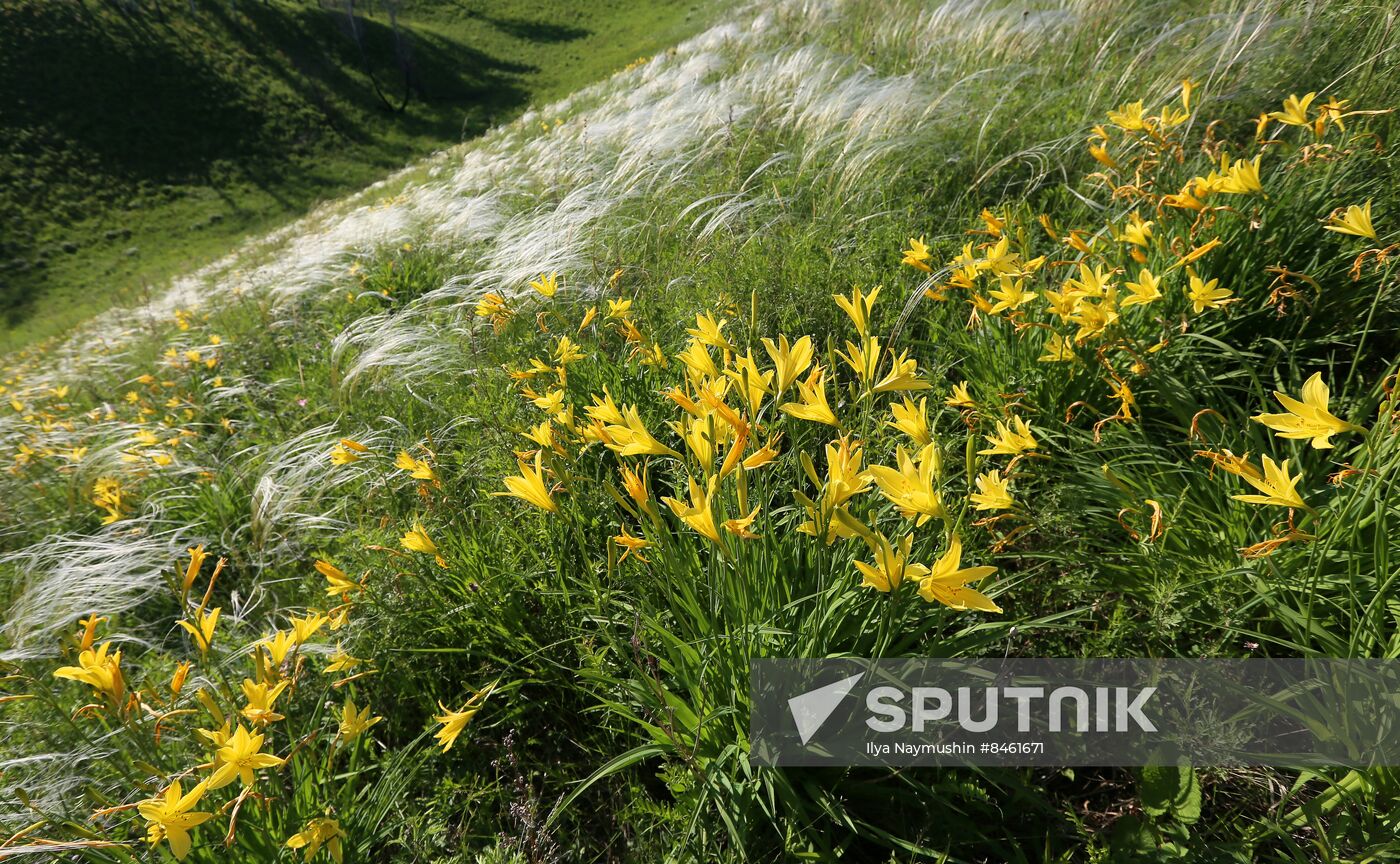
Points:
(103, 111)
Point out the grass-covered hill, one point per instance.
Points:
(141, 139)
(442, 524)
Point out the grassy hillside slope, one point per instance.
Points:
(139, 141)
(529, 450)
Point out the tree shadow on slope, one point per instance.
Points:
(154, 99)
(103, 112)
(534, 31)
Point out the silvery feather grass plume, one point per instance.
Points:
(51, 779)
(409, 344)
(68, 576)
(287, 506)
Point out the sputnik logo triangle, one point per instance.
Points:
(811, 709)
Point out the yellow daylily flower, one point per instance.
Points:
(202, 630)
(708, 331)
(261, 699)
(177, 680)
(214, 738)
(844, 480)
(947, 582)
(1126, 400)
(1011, 294)
(1278, 488)
(740, 527)
(1136, 232)
(605, 410)
(958, 397)
(354, 721)
(306, 627)
(1206, 295)
(1230, 463)
(1094, 318)
(1295, 110)
(340, 661)
(1130, 117)
(1199, 252)
(1010, 440)
(546, 285)
(902, 377)
(337, 583)
(1330, 111)
(1058, 349)
(1147, 289)
(1242, 178)
(858, 306)
(763, 456)
(317, 833)
(698, 513)
(648, 355)
(197, 558)
(917, 255)
(417, 540)
(789, 360)
(812, 403)
(171, 815)
(1064, 304)
(1308, 418)
(339, 616)
(98, 669)
(342, 455)
(753, 384)
(279, 645)
(238, 759)
(632, 438)
(453, 722)
(551, 403)
(493, 305)
(566, 351)
(993, 493)
(699, 365)
(1355, 221)
(631, 546)
(636, 485)
(912, 420)
(1000, 260)
(1101, 155)
(891, 565)
(704, 435)
(862, 358)
(418, 469)
(913, 486)
(530, 487)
